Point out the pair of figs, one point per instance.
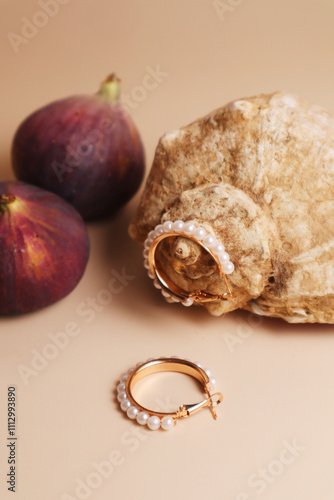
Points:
(85, 150)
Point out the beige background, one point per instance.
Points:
(277, 379)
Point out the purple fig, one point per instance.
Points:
(83, 148)
(44, 248)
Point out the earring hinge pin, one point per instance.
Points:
(188, 410)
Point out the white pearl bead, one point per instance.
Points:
(189, 228)
(209, 241)
(121, 387)
(145, 253)
(125, 405)
(167, 423)
(124, 377)
(219, 248)
(150, 275)
(147, 244)
(132, 412)
(208, 372)
(212, 381)
(175, 299)
(188, 302)
(167, 226)
(151, 235)
(150, 359)
(224, 257)
(212, 246)
(138, 364)
(178, 225)
(121, 396)
(228, 267)
(157, 284)
(142, 417)
(198, 364)
(165, 294)
(146, 264)
(158, 230)
(199, 233)
(153, 423)
(130, 370)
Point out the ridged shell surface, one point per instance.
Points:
(257, 173)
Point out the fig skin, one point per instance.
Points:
(44, 248)
(86, 149)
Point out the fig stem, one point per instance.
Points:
(5, 199)
(110, 88)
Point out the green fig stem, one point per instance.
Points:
(110, 88)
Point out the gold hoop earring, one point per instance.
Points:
(171, 291)
(153, 419)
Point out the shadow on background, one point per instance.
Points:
(6, 172)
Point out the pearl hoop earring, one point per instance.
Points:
(171, 291)
(153, 419)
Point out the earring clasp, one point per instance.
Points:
(188, 410)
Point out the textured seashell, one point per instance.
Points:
(258, 174)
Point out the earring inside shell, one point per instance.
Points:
(170, 290)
